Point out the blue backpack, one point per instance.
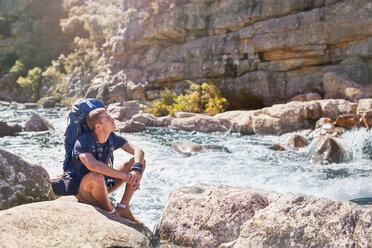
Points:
(77, 126)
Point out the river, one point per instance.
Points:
(250, 163)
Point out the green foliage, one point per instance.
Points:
(32, 82)
(204, 98)
(18, 69)
(97, 20)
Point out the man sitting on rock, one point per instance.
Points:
(98, 178)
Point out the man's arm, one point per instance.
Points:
(137, 152)
(139, 157)
(95, 165)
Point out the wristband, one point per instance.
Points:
(137, 167)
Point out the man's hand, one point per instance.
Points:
(133, 178)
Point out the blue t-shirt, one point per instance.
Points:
(87, 144)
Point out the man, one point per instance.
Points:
(98, 179)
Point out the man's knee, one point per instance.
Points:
(96, 178)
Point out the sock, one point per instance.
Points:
(121, 205)
(112, 211)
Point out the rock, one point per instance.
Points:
(201, 123)
(186, 147)
(207, 216)
(367, 119)
(2, 103)
(364, 105)
(48, 102)
(185, 114)
(307, 97)
(306, 221)
(21, 182)
(327, 129)
(165, 120)
(298, 141)
(6, 129)
(295, 111)
(220, 216)
(333, 108)
(37, 123)
(265, 124)
(57, 223)
(337, 87)
(31, 105)
(322, 121)
(277, 147)
(148, 120)
(116, 93)
(17, 105)
(130, 126)
(189, 148)
(349, 121)
(136, 91)
(125, 110)
(329, 150)
(241, 121)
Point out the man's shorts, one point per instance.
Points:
(110, 182)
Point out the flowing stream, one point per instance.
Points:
(250, 163)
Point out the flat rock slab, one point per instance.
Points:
(67, 224)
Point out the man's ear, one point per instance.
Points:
(97, 126)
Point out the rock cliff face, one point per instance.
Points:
(259, 49)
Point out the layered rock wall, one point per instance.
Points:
(263, 48)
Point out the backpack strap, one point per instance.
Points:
(96, 145)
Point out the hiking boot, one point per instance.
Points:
(127, 214)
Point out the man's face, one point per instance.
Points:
(107, 122)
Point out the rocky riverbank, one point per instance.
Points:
(199, 216)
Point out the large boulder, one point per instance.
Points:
(367, 119)
(37, 123)
(306, 97)
(130, 126)
(330, 150)
(364, 105)
(124, 111)
(241, 121)
(64, 223)
(220, 216)
(6, 129)
(21, 182)
(201, 123)
(338, 87)
(265, 124)
(208, 216)
(332, 108)
(298, 141)
(148, 120)
(190, 148)
(186, 147)
(295, 111)
(306, 221)
(349, 121)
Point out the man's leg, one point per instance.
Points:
(129, 191)
(93, 190)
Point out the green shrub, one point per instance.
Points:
(204, 98)
(32, 82)
(18, 69)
